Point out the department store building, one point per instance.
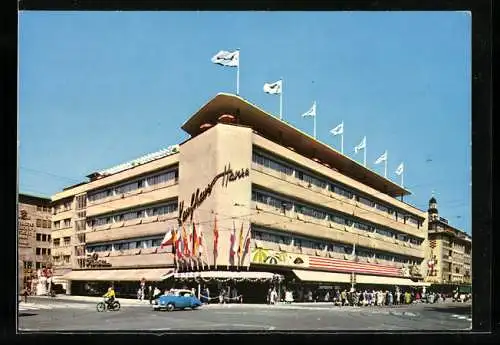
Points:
(313, 215)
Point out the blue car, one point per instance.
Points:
(177, 299)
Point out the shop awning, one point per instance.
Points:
(381, 280)
(225, 275)
(150, 274)
(315, 276)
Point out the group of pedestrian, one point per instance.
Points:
(152, 293)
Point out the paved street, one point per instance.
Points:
(68, 315)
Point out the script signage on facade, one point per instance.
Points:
(26, 229)
(197, 198)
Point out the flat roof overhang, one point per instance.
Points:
(281, 132)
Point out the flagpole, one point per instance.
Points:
(342, 140)
(238, 74)
(314, 130)
(385, 166)
(364, 152)
(281, 100)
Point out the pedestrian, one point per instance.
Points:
(391, 298)
(150, 294)
(156, 292)
(327, 296)
(269, 295)
(398, 295)
(25, 294)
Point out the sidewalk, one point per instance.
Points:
(88, 299)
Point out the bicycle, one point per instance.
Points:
(102, 306)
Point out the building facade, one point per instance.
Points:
(450, 251)
(267, 198)
(34, 236)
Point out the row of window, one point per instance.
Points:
(43, 209)
(66, 241)
(124, 245)
(335, 187)
(66, 223)
(43, 223)
(42, 251)
(134, 214)
(66, 206)
(64, 259)
(42, 238)
(281, 205)
(29, 265)
(302, 242)
(128, 187)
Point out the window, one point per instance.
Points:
(366, 202)
(38, 237)
(38, 265)
(67, 240)
(67, 206)
(48, 238)
(272, 164)
(311, 180)
(381, 207)
(57, 242)
(161, 178)
(384, 232)
(99, 195)
(44, 251)
(340, 191)
(126, 188)
(67, 222)
(66, 258)
(44, 238)
(156, 242)
(311, 212)
(38, 223)
(38, 251)
(164, 209)
(81, 202)
(57, 225)
(39, 208)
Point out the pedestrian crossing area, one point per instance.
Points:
(38, 306)
(462, 317)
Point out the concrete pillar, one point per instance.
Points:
(68, 287)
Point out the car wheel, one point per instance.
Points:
(170, 307)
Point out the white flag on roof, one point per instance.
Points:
(400, 169)
(360, 146)
(382, 158)
(338, 130)
(273, 88)
(311, 111)
(226, 58)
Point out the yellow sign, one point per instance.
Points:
(273, 257)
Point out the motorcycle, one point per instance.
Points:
(102, 306)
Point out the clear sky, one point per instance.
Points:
(100, 88)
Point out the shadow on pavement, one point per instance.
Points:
(27, 314)
(459, 309)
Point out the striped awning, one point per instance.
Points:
(381, 280)
(149, 274)
(225, 275)
(316, 276)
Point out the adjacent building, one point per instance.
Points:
(34, 237)
(268, 199)
(450, 251)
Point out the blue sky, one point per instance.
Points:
(100, 88)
